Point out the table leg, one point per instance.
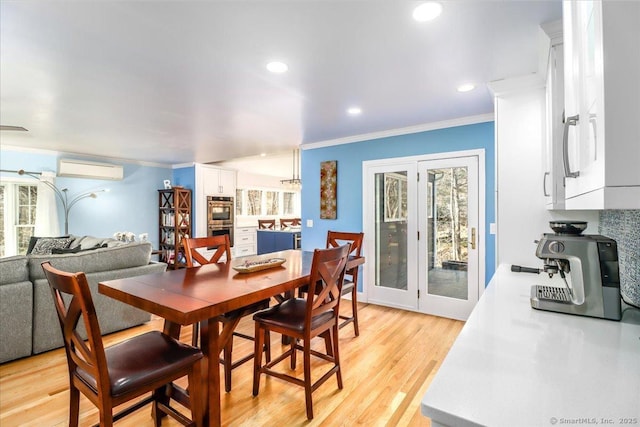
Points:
(210, 345)
(171, 329)
(212, 342)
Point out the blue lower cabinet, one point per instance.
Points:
(274, 241)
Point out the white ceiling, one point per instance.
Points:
(182, 81)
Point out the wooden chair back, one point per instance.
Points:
(339, 238)
(88, 356)
(350, 283)
(266, 224)
(290, 222)
(220, 243)
(325, 282)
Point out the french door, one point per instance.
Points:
(395, 278)
(448, 229)
(422, 233)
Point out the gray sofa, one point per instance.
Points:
(28, 321)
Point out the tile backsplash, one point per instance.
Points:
(624, 227)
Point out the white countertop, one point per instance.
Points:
(512, 365)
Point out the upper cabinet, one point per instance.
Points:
(601, 134)
(553, 174)
(216, 181)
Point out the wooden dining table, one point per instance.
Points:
(200, 294)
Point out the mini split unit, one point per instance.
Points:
(93, 170)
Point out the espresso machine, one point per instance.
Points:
(588, 268)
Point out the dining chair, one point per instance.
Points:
(350, 284)
(302, 319)
(290, 222)
(111, 376)
(221, 246)
(266, 224)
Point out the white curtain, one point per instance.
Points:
(47, 223)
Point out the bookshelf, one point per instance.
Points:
(174, 224)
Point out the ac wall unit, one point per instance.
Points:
(93, 170)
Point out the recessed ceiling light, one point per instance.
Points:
(277, 67)
(263, 154)
(466, 87)
(354, 111)
(427, 11)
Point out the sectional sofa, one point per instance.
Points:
(28, 320)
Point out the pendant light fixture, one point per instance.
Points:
(295, 182)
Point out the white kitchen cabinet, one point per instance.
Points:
(245, 241)
(520, 204)
(521, 216)
(217, 181)
(601, 143)
(553, 174)
(227, 182)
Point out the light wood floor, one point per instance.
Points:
(386, 371)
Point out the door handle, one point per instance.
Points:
(569, 121)
(473, 237)
(544, 184)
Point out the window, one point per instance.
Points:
(18, 216)
(395, 196)
(254, 202)
(262, 203)
(272, 203)
(289, 203)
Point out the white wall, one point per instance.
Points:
(262, 172)
(274, 164)
(253, 180)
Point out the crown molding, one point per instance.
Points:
(463, 121)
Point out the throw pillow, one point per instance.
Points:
(59, 251)
(45, 245)
(34, 239)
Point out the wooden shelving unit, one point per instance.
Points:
(174, 224)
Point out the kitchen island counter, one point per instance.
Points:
(278, 240)
(512, 365)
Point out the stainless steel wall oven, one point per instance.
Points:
(220, 216)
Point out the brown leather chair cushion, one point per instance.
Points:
(135, 362)
(291, 314)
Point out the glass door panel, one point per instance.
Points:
(394, 280)
(391, 229)
(447, 232)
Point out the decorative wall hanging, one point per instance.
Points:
(329, 189)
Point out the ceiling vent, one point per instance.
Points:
(92, 170)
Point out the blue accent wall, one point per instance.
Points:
(130, 205)
(186, 177)
(350, 158)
